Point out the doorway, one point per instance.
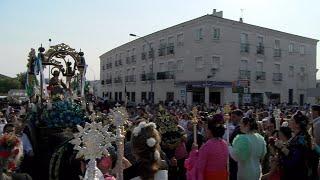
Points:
(215, 98)
(198, 95)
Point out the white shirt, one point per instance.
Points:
(231, 129)
(160, 175)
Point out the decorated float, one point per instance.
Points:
(61, 121)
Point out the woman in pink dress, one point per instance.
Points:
(210, 161)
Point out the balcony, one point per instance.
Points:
(109, 65)
(147, 76)
(165, 75)
(133, 59)
(260, 75)
(117, 80)
(244, 74)
(244, 47)
(128, 60)
(277, 53)
(143, 56)
(131, 78)
(151, 53)
(108, 81)
(162, 50)
(260, 50)
(170, 49)
(277, 77)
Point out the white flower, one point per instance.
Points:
(151, 142)
(136, 131)
(152, 124)
(156, 155)
(142, 124)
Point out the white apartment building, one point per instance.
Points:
(211, 59)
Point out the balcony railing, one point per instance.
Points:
(162, 50)
(260, 75)
(143, 56)
(131, 78)
(165, 75)
(117, 80)
(109, 65)
(277, 53)
(133, 59)
(128, 60)
(277, 77)
(108, 81)
(244, 74)
(147, 76)
(244, 47)
(260, 49)
(170, 49)
(151, 53)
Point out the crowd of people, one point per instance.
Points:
(244, 143)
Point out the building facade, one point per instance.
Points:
(211, 60)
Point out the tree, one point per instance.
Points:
(8, 83)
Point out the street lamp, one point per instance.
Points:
(152, 59)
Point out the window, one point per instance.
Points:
(199, 62)
(243, 65)
(128, 53)
(143, 71)
(180, 65)
(150, 67)
(302, 49)
(170, 40)
(162, 42)
(133, 71)
(128, 72)
(116, 96)
(120, 96)
(161, 67)
(216, 33)
(244, 38)
(116, 56)
(302, 70)
(180, 39)
(260, 41)
(291, 71)
(260, 66)
(277, 44)
(133, 51)
(133, 96)
(171, 66)
(120, 55)
(291, 48)
(143, 96)
(277, 68)
(216, 62)
(144, 48)
(199, 34)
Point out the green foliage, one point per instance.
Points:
(8, 83)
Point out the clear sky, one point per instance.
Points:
(97, 26)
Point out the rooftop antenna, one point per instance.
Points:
(241, 15)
